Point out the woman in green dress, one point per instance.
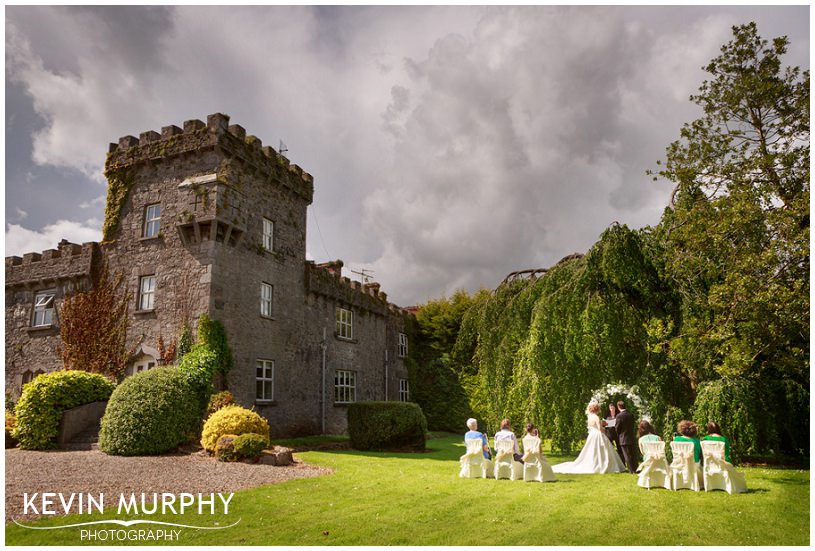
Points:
(688, 432)
(714, 433)
(646, 434)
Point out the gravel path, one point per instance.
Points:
(95, 472)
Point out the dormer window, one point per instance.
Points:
(43, 309)
(152, 220)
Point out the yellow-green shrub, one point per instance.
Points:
(232, 420)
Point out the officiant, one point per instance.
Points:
(611, 430)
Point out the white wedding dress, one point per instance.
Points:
(598, 456)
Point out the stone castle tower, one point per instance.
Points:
(204, 219)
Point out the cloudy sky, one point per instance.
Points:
(449, 145)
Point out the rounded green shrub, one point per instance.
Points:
(44, 399)
(232, 420)
(249, 445)
(386, 425)
(149, 413)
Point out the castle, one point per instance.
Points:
(205, 219)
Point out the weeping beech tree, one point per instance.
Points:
(538, 348)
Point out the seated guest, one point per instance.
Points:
(688, 432)
(646, 434)
(714, 433)
(506, 434)
(473, 434)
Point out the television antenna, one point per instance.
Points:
(365, 274)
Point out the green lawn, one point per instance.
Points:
(418, 499)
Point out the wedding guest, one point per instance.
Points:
(646, 433)
(714, 433)
(532, 430)
(688, 432)
(473, 434)
(506, 434)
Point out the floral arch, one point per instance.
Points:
(605, 393)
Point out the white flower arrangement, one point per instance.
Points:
(603, 394)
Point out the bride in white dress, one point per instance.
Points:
(598, 456)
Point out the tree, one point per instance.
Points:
(738, 234)
(93, 327)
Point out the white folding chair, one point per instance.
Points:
(536, 467)
(505, 464)
(685, 473)
(654, 470)
(718, 473)
(473, 463)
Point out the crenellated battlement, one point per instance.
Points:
(68, 261)
(326, 280)
(195, 136)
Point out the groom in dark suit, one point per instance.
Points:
(628, 439)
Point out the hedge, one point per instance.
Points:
(150, 413)
(44, 399)
(386, 425)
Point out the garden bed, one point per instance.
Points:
(95, 472)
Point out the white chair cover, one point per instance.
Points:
(473, 463)
(505, 464)
(536, 467)
(654, 471)
(685, 473)
(718, 473)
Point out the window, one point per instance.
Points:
(28, 376)
(404, 390)
(147, 292)
(345, 386)
(268, 234)
(345, 323)
(401, 350)
(265, 380)
(43, 308)
(266, 299)
(152, 220)
(143, 363)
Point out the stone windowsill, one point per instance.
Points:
(144, 312)
(265, 402)
(345, 339)
(270, 318)
(151, 238)
(41, 328)
(342, 404)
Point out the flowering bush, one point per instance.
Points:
(219, 400)
(612, 392)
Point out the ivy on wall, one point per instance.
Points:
(120, 183)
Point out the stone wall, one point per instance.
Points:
(64, 270)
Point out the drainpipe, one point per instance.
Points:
(323, 347)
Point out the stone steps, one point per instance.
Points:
(86, 440)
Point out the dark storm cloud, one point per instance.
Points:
(449, 145)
